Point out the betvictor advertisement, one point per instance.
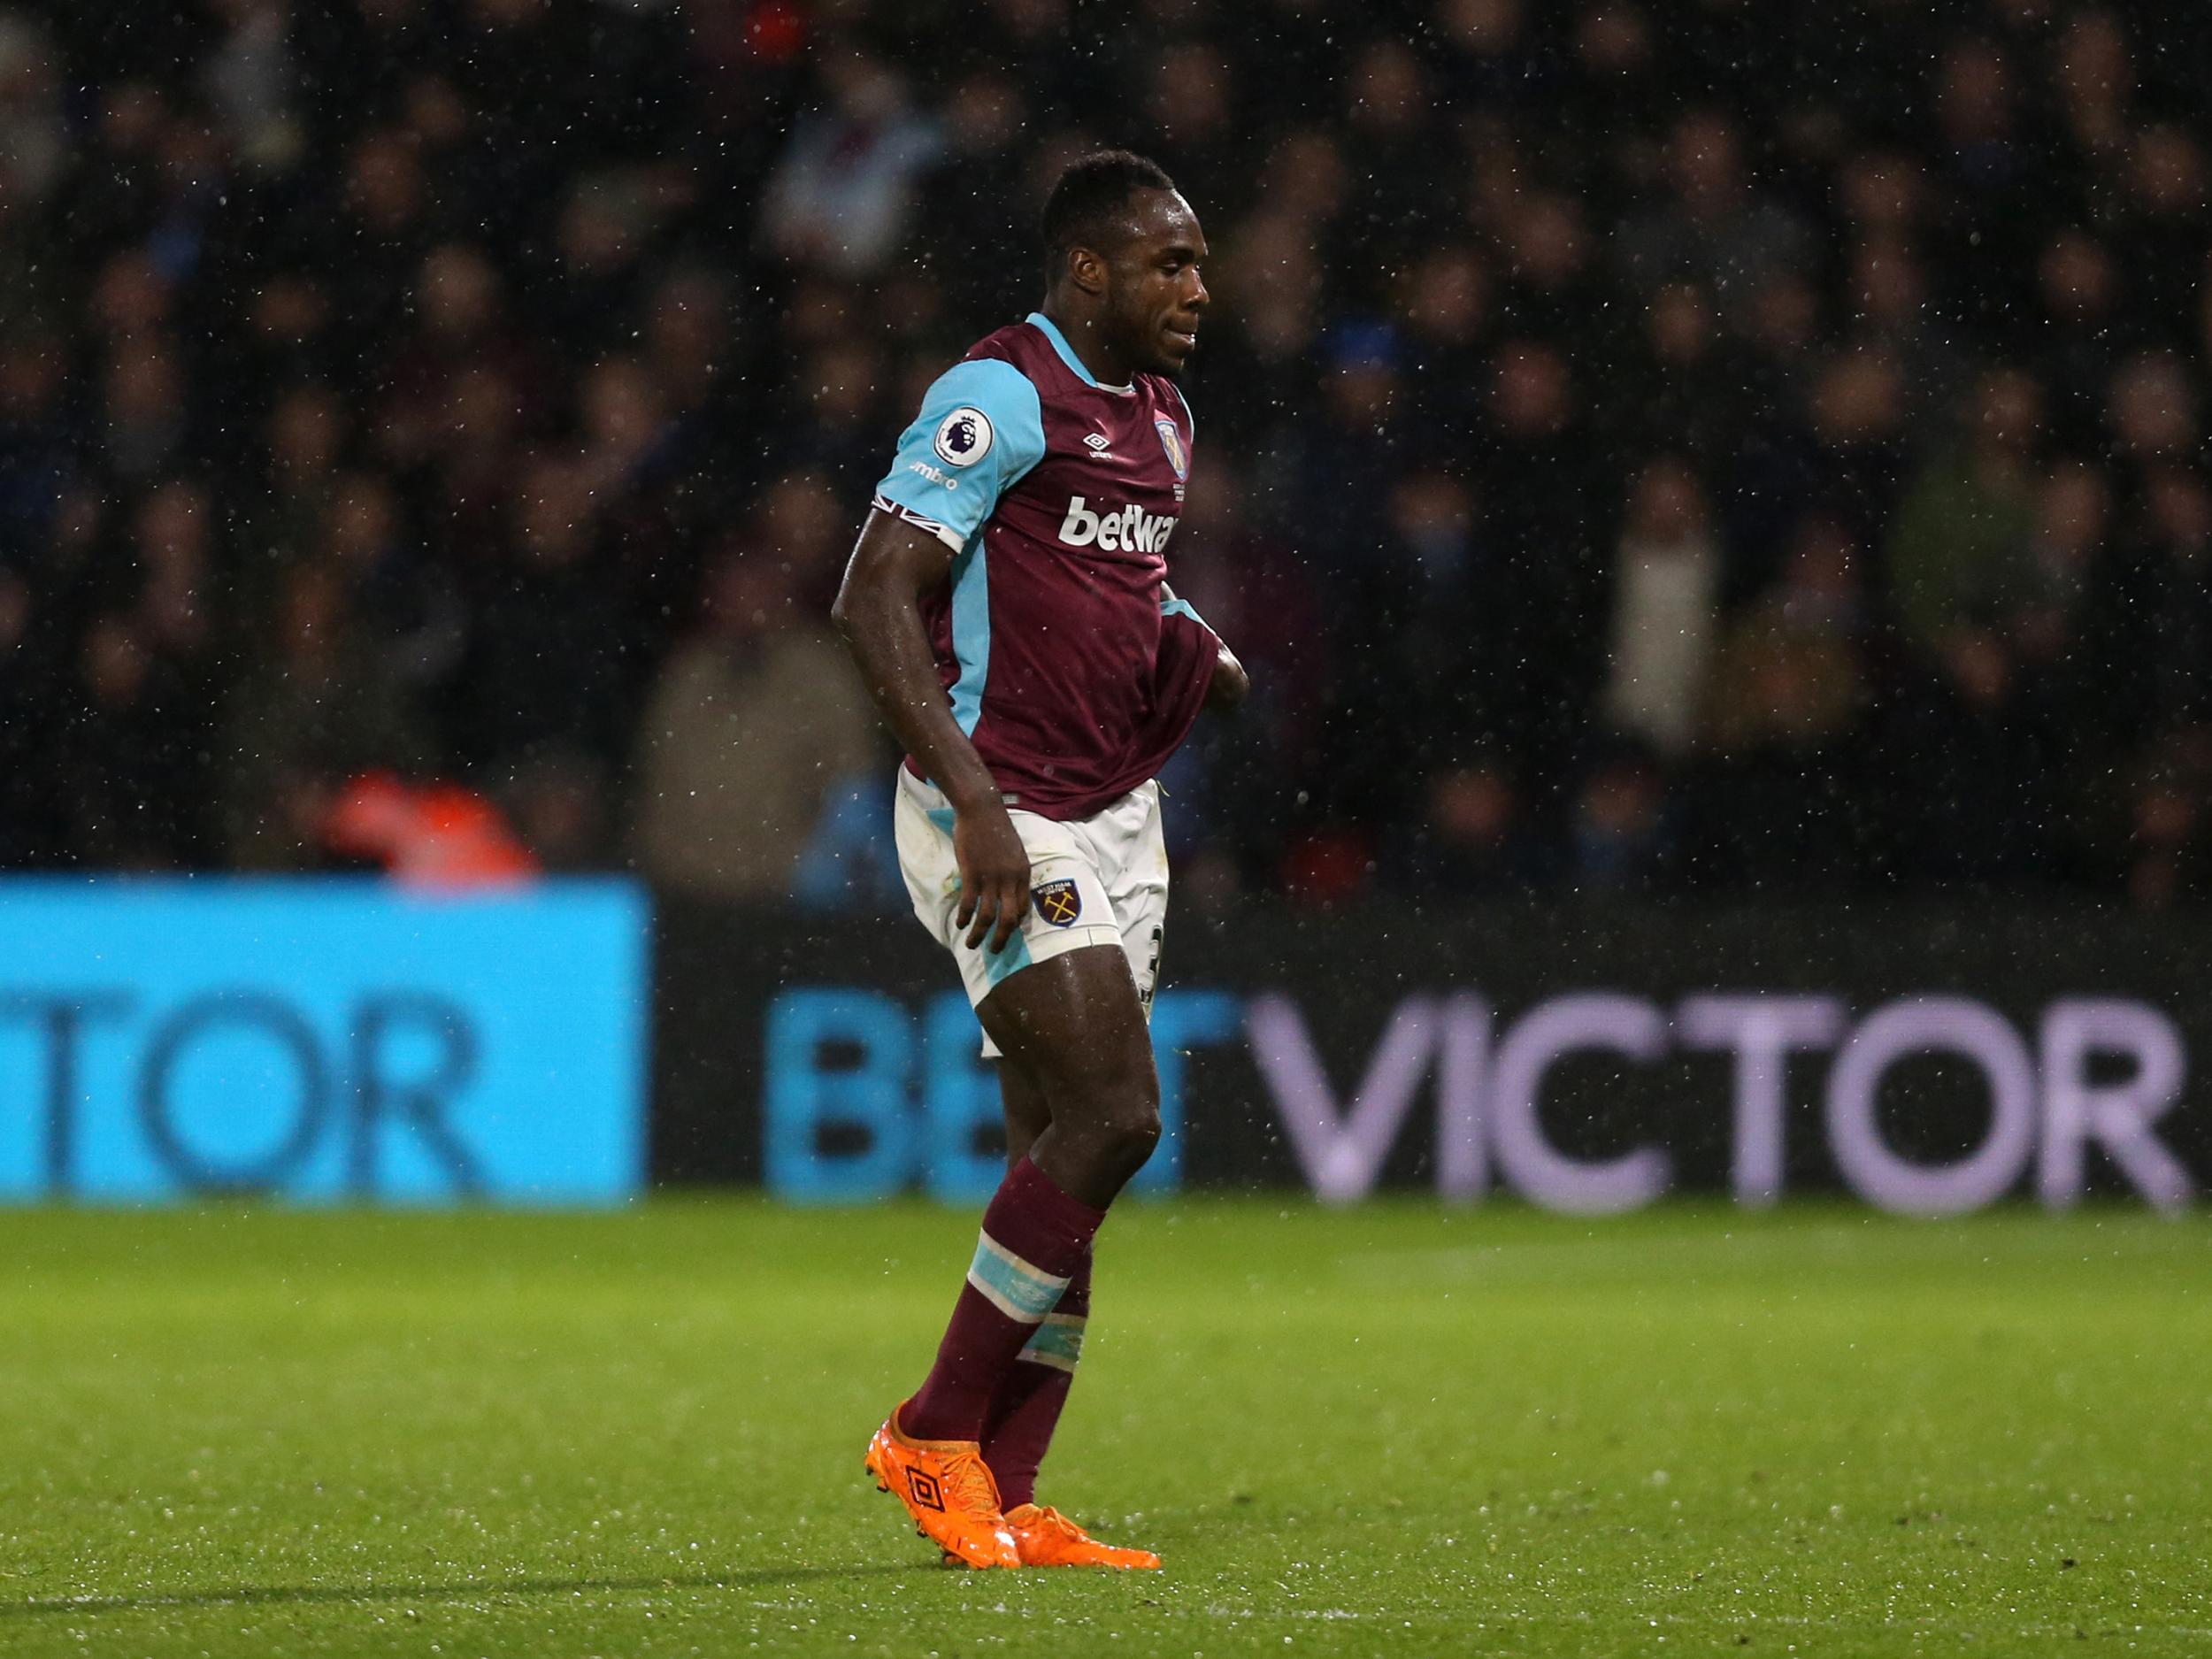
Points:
(321, 1042)
(1590, 1061)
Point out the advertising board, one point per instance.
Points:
(321, 1041)
(1928, 1062)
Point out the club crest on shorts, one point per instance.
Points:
(1171, 441)
(1058, 901)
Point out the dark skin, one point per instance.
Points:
(1078, 1083)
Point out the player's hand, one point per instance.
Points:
(993, 875)
(1230, 684)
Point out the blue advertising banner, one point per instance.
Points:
(322, 1040)
(860, 1101)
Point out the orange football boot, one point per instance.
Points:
(946, 1487)
(1046, 1538)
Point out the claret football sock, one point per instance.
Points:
(1035, 1240)
(1028, 1409)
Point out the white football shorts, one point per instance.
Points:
(1099, 880)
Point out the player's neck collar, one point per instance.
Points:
(1045, 325)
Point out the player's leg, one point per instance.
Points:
(1022, 1099)
(1076, 1025)
(1075, 1028)
(1027, 1406)
(1132, 857)
(1073, 1023)
(1132, 860)
(1036, 1232)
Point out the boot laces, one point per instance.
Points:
(968, 1483)
(1052, 1521)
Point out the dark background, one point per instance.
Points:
(1642, 448)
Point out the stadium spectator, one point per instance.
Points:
(756, 721)
(1960, 545)
(1619, 830)
(840, 197)
(1666, 609)
(320, 708)
(1785, 740)
(1468, 836)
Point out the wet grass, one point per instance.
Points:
(1395, 1430)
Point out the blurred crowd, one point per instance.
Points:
(1641, 448)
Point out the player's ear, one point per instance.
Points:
(1087, 269)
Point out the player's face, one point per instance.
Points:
(1154, 294)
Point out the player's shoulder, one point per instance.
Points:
(985, 401)
(1012, 344)
(1018, 347)
(991, 370)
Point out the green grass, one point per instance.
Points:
(1393, 1430)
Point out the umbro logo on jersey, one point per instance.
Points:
(1096, 442)
(1129, 528)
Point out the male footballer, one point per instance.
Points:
(1008, 606)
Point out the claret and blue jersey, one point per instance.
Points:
(1069, 671)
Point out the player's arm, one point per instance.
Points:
(878, 613)
(980, 430)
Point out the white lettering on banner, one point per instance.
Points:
(1624, 1025)
(1340, 1154)
(1932, 1025)
(1488, 1088)
(2116, 1115)
(1130, 528)
(1763, 1030)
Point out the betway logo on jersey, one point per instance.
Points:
(1131, 529)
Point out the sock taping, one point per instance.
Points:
(1058, 1343)
(1018, 1289)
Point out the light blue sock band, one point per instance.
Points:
(1058, 1341)
(1016, 1290)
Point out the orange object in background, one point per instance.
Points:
(436, 834)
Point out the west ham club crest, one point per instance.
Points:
(1171, 441)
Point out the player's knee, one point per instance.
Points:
(1135, 1136)
(1130, 1124)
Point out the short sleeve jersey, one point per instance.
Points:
(1068, 669)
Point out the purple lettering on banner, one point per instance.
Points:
(1763, 1030)
(1463, 1146)
(1540, 1171)
(2116, 1115)
(1932, 1025)
(1342, 1154)
(1489, 1084)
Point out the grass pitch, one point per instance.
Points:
(1395, 1430)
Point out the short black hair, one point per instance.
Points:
(1091, 194)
